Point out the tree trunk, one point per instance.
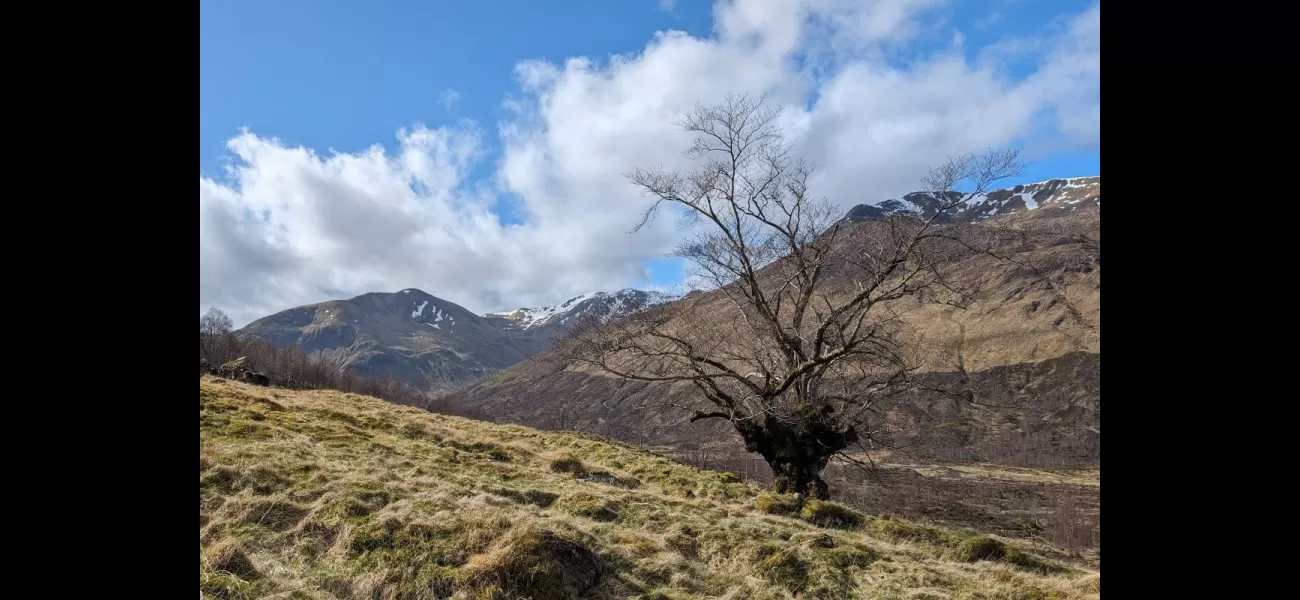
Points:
(797, 451)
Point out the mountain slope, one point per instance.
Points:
(328, 495)
(1032, 345)
(429, 341)
(416, 336)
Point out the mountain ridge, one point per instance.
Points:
(620, 302)
(431, 342)
(1059, 194)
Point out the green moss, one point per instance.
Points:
(775, 505)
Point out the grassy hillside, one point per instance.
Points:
(330, 495)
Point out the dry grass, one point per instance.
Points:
(1089, 477)
(330, 495)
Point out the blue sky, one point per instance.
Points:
(341, 77)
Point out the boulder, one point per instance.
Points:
(254, 378)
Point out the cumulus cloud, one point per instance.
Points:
(290, 225)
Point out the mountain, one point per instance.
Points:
(325, 495)
(607, 305)
(1033, 346)
(1055, 195)
(431, 342)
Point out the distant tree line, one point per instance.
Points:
(292, 367)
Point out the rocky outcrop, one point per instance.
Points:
(238, 370)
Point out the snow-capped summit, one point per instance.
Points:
(608, 305)
(1065, 194)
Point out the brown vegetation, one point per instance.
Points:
(291, 367)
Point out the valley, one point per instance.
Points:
(657, 300)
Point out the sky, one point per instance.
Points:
(476, 150)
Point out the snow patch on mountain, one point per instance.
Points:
(1069, 192)
(609, 305)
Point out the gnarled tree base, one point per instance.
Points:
(797, 451)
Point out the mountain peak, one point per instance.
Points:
(606, 304)
(1063, 193)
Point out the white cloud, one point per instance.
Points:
(292, 226)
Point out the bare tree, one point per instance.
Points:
(802, 339)
(215, 339)
(215, 322)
